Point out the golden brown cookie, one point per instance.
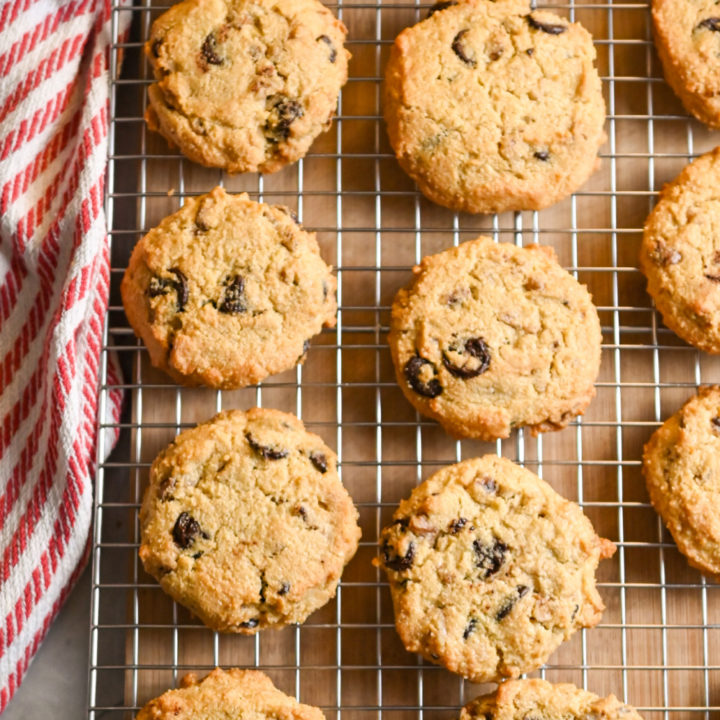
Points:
(681, 465)
(687, 38)
(245, 85)
(245, 521)
(491, 106)
(490, 336)
(680, 253)
(229, 694)
(541, 700)
(490, 569)
(227, 291)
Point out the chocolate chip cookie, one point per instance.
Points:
(227, 694)
(246, 523)
(490, 569)
(492, 106)
(540, 700)
(227, 291)
(681, 465)
(687, 38)
(490, 336)
(680, 253)
(245, 85)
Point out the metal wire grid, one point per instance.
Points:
(640, 650)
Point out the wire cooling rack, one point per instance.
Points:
(658, 646)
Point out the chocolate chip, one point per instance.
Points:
(319, 460)
(208, 50)
(329, 43)
(509, 604)
(284, 589)
(489, 557)
(234, 301)
(198, 555)
(459, 49)
(437, 7)
(543, 155)
(474, 358)
(252, 623)
(267, 452)
(185, 530)
(430, 388)
(161, 286)
(548, 28)
(470, 628)
(155, 47)
(663, 255)
(530, 52)
(711, 23)
(457, 525)
(398, 562)
(282, 113)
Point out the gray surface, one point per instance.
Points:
(56, 683)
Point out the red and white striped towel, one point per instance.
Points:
(54, 278)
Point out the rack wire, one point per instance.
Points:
(658, 645)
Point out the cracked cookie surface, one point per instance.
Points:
(687, 38)
(227, 291)
(680, 253)
(229, 694)
(245, 85)
(681, 464)
(490, 336)
(540, 700)
(490, 569)
(245, 521)
(491, 106)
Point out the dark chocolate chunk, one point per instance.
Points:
(155, 47)
(459, 49)
(398, 562)
(543, 155)
(233, 300)
(509, 604)
(185, 530)
(474, 358)
(457, 525)
(470, 628)
(267, 452)
(438, 6)
(252, 623)
(430, 388)
(198, 555)
(319, 460)
(489, 557)
(329, 43)
(711, 23)
(284, 589)
(548, 28)
(209, 50)
(282, 114)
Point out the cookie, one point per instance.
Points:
(680, 253)
(246, 523)
(228, 694)
(541, 700)
(490, 336)
(681, 464)
(245, 85)
(227, 291)
(491, 106)
(490, 569)
(687, 38)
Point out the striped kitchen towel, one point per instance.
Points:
(54, 279)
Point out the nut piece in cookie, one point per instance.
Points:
(489, 337)
(687, 38)
(680, 253)
(227, 291)
(245, 86)
(681, 464)
(490, 569)
(245, 521)
(491, 106)
(228, 694)
(541, 700)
